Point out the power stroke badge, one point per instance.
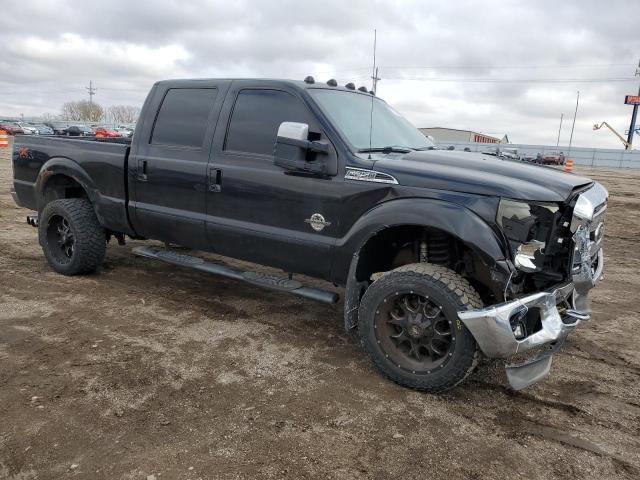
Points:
(317, 222)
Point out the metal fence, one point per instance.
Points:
(590, 157)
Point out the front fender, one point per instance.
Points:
(457, 220)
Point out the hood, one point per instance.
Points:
(480, 174)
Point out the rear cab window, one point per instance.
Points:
(183, 117)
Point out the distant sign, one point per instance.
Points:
(632, 100)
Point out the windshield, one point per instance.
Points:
(351, 113)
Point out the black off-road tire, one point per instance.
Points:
(89, 241)
(450, 291)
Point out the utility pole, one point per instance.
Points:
(575, 114)
(634, 115)
(374, 71)
(560, 129)
(92, 92)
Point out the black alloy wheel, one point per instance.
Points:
(72, 239)
(409, 326)
(59, 234)
(414, 332)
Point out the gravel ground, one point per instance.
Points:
(148, 369)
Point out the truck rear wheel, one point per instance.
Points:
(71, 236)
(409, 326)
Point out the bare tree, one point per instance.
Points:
(82, 111)
(123, 113)
(70, 111)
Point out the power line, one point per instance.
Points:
(508, 80)
(488, 66)
(115, 89)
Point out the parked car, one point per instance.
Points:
(59, 128)
(442, 255)
(104, 132)
(124, 130)
(553, 158)
(27, 128)
(510, 153)
(43, 129)
(11, 128)
(537, 159)
(78, 131)
(494, 151)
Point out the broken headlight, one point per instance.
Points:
(527, 226)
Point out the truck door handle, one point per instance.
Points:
(215, 180)
(142, 171)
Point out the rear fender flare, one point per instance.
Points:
(67, 167)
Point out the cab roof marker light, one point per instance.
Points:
(309, 79)
(332, 82)
(350, 86)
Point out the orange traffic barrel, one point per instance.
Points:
(568, 166)
(4, 139)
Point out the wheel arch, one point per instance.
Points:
(373, 234)
(61, 177)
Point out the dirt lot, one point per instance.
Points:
(147, 369)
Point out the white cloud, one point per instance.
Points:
(483, 65)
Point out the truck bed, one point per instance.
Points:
(98, 165)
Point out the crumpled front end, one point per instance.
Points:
(540, 322)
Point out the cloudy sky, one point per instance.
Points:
(492, 66)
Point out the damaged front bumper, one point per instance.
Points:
(540, 322)
(493, 329)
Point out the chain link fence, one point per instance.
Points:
(589, 157)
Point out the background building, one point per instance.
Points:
(443, 135)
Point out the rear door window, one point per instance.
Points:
(183, 117)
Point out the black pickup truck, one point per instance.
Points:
(443, 255)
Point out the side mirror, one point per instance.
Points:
(294, 152)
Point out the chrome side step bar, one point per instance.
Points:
(260, 279)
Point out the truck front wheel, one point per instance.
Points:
(410, 329)
(71, 236)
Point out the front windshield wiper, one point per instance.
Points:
(389, 149)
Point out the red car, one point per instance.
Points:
(11, 128)
(104, 132)
(553, 158)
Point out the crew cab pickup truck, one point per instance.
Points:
(443, 255)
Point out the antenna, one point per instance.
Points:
(374, 71)
(374, 77)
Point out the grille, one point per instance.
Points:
(588, 226)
